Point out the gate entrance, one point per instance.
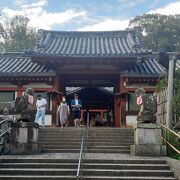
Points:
(97, 101)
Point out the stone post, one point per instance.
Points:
(147, 140)
(24, 138)
(169, 116)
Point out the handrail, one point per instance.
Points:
(174, 148)
(5, 132)
(3, 121)
(80, 157)
(83, 147)
(170, 130)
(171, 146)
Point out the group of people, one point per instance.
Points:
(62, 112)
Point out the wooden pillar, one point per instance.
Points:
(101, 114)
(117, 105)
(19, 90)
(55, 101)
(117, 111)
(123, 110)
(123, 101)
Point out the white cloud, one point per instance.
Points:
(170, 9)
(107, 25)
(35, 4)
(11, 13)
(40, 18)
(46, 19)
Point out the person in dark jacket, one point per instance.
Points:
(76, 105)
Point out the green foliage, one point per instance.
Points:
(161, 85)
(159, 31)
(176, 97)
(175, 141)
(18, 36)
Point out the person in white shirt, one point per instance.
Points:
(41, 109)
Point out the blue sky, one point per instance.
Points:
(84, 15)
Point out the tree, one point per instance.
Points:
(18, 35)
(159, 31)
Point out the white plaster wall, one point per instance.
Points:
(140, 85)
(48, 120)
(37, 85)
(6, 85)
(131, 121)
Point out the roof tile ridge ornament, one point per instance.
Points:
(39, 39)
(85, 33)
(2, 49)
(139, 45)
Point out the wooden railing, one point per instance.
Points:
(171, 138)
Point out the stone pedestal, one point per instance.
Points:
(24, 138)
(147, 140)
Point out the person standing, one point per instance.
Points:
(41, 109)
(76, 105)
(63, 112)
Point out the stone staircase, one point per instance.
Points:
(60, 140)
(38, 168)
(100, 140)
(47, 168)
(110, 140)
(127, 169)
(107, 158)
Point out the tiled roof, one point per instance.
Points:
(13, 65)
(17, 65)
(89, 44)
(149, 67)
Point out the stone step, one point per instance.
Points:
(124, 172)
(89, 132)
(80, 136)
(49, 150)
(39, 165)
(126, 166)
(108, 143)
(83, 128)
(125, 161)
(38, 160)
(45, 143)
(34, 177)
(111, 140)
(107, 147)
(93, 161)
(89, 144)
(127, 178)
(86, 165)
(57, 129)
(122, 151)
(70, 150)
(59, 139)
(57, 146)
(89, 138)
(38, 171)
(61, 134)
